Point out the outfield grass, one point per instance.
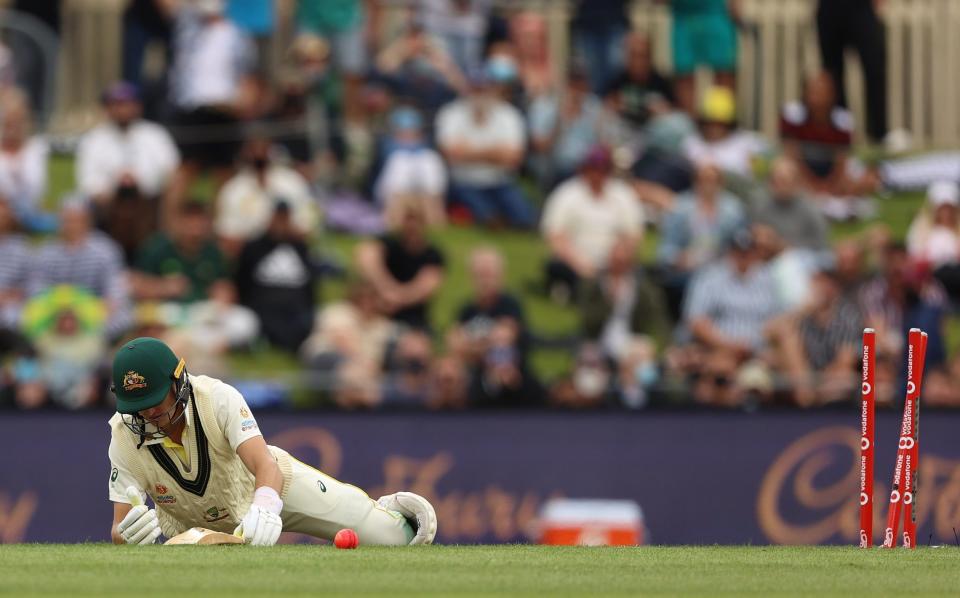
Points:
(475, 570)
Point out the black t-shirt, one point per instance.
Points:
(478, 320)
(276, 280)
(404, 267)
(635, 95)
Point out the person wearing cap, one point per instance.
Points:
(582, 220)
(563, 128)
(934, 234)
(720, 140)
(124, 165)
(483, 139)
(191, 444)
(411, 171)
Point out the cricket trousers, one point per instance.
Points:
(319, 505)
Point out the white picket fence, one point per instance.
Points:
(923, 46)
(923, 62)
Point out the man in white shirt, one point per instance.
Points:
(123, 165)
(192, 444)
(583, 218)
(483, 138)
(213, 60)
(248, 200)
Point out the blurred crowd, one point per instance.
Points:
(203, 196)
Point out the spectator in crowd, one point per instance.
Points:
(564, 126)
(144, 21)
(934, 235)
(408, 379)
(461, 25)
(940, 389)
(69, 352)
(275, 278)
(482, 138)
(405, 269)
(345, 24)
(694, 232)
(598, 28)
(124, 165)
(528, 31)
(347, 347)
(186, 267)
(850, 266)
(210, 81)
(412, 171)
(725, 311)
(491, 337)
(639, 90)
(637, 373)
(856, 23)
(704, 34)
(418, 68)
(792, 215)
(448, 384)
(19, 379)
(14, 267)
(248, 200)
(791, 268)
(817, 347)
(583, 219)
(622, 303)
(818, 133)
(23, 164)
(589, 386)
(84, 258)
(901, 296)
(719, 140)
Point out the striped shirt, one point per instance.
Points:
(95, 264)
(737, 305)
(843, 329)
(14, 270)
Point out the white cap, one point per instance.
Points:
(943, 193)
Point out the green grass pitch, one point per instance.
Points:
(97, 569)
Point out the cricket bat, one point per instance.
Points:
(202, 536)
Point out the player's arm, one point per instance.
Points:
(133, 521)
(258, 460)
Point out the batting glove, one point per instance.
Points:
(141, 525)
(261, 526)
(417, 511)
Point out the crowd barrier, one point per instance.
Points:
(700, 478)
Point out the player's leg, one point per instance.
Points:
(319, 505)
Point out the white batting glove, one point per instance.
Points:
(415, 509)
(261, 526)
(141, 525)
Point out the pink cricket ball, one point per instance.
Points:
(346, 538)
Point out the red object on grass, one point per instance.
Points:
(346, 538)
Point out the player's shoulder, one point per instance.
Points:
(210, 389)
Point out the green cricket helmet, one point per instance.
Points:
(144, 370)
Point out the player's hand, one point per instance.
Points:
(260, 527)
(140, 526)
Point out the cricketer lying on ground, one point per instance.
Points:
(192, 445)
